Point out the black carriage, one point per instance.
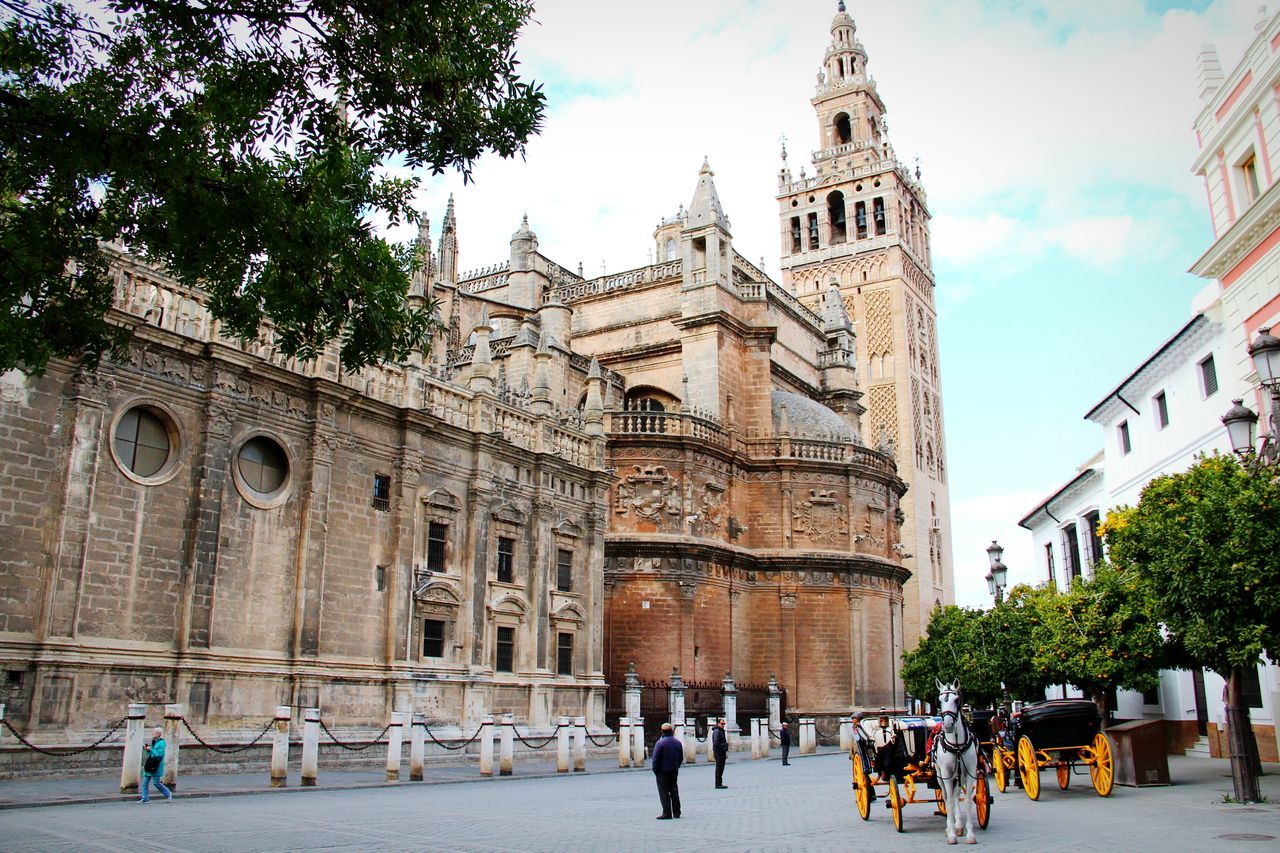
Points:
(1062, 734)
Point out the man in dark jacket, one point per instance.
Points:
(720, 749)
(785, 739)
(668, 755)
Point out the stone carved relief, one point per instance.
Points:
(873, 528)
(882, 411)
(787, 600)
(652, 494)
(711, 508)
(821, 518)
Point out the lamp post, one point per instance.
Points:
(998, 577)
(1260, 459)
(1242, 422)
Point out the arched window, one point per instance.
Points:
(843, 131)
(670, 249)
(647, 409)
(836, 218)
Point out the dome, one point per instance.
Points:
(809, 419)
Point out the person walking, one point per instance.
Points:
(720, 749)
(153, 767)
(668, 755)
(784, 737)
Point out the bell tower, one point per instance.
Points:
(860, 223)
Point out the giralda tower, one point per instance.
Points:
(860, 221)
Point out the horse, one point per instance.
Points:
(955, 763)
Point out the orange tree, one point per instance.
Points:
(1207, 541)
(1101, 634)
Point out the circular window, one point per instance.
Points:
(795, 203)
(810, 199)
(144, 441)
(858, 188)
(876, 183)
(262, 471)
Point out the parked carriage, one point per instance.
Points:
(1062, 734)
(902, 769)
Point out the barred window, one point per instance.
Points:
(432, 638)
(437, 537)
(564, 654)
(564, 570)
(382, 492)
(505, 653)
(506, 559)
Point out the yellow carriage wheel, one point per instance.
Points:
(1064, 775)
(1028, 768)
(1002, 773)
(861, 788)
(982, 801)
(895, 803)
(940, 800)
(1100, 767)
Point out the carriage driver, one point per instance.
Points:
(883, 741)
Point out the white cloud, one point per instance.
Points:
(975, 522)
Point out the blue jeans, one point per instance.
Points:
(146, 788)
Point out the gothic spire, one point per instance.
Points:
(705, 209)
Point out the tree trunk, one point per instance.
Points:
(1099, 697)
(1239, 738)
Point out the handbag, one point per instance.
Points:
(151, 765)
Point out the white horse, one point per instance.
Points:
(955, 764)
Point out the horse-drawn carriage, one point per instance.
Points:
(1062, 734)
(891, 752)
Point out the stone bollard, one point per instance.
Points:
(280, 747)
(417, 746)
(755, 738)
(395, 739)
(808, 736)
(579, 744)
(624, 742)
(775, 709)
(690, 741)
(637, 741)
(131, 766)
(506, 755)
(846, 736)
(310, 746)
(764, 737)
(711, 750)
(172, 744)
(562, 746)
(486, 745)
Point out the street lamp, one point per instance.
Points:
(998, 577)
(1241, 422)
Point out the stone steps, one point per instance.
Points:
(1199, 749)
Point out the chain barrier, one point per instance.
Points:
(544, 743)
(228, 750)
(349, 747)
(65, 751)
(466, 743)
(702, 739)
(610, 739)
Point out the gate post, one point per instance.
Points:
(755, 738)
(809, 738)
(280, 747)
(846, 735)
(310, 746)
(730, 698)
(506, 757)
(631, 690)
(562, 746)
(579, 744)
(131, 765)
(764, 737)
(690, 741)
(417, 746)
(395, 737)
(624, 742)
(675, 697)
(637, 742)
(486, 745)
(172, 723)
(711, 753)
(775, 708)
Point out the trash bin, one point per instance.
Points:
(1140, 758)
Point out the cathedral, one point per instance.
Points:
(683, 468)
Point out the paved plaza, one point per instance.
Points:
(807, 806)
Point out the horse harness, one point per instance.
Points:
(956, 749)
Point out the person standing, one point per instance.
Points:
(153, 767)
(668, 755)
(720, 749)
(784, 737)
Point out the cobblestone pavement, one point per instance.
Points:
(807, 806)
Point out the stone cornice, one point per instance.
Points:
(1258, 222)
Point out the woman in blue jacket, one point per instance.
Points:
(153, 767)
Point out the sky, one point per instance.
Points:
(1055, 145)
